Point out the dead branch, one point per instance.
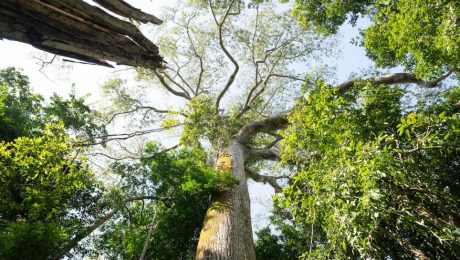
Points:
(77, 30)
(124, 9)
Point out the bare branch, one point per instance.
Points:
(112, 137)
(116, 158)
(232, 77)
(179, 74)
(148, 108)
(169, 88)
(124, 9)
(195, 52)
(396, 78)
(287, 76)
(177, 84)
(270, 180)
(149, 234)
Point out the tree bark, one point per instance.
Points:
(79, 30)
(227, 231)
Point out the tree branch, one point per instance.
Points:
(112, 137)
(88, 230)
(124, 9)
(149, 234)
(263, 154)
(270, 180)
(396, 78)
(78, 30)
(261, 126)
(227, 53)
(169, 88)
(160, 111)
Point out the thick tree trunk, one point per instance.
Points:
(227, 231)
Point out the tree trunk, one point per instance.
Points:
(227, 231)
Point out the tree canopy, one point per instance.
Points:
(421, 36)
(364, 169)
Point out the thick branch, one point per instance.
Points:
(396, 78)
(88, 230)
(261, 126)
(270, 180)
(263, 154)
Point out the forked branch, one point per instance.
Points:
(267, 125)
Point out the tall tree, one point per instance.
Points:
(234, 84)
(230, 79)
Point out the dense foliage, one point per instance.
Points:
(421, 35)
(182, 185)
(47, 192)
(373, 179)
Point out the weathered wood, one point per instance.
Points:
(78, 30)
(124, 9)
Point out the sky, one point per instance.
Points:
(87, 79)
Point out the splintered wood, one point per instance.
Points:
(224, 161)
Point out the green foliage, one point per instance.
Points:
(183, 184)
(21, 108)
(76, 115)
(421, 35)
(202, 122)
(45, 191)
(327, 15)
(372, 184)
(289, 240)
(23, 113)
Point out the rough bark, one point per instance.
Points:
(227, 231)
(78, 30)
